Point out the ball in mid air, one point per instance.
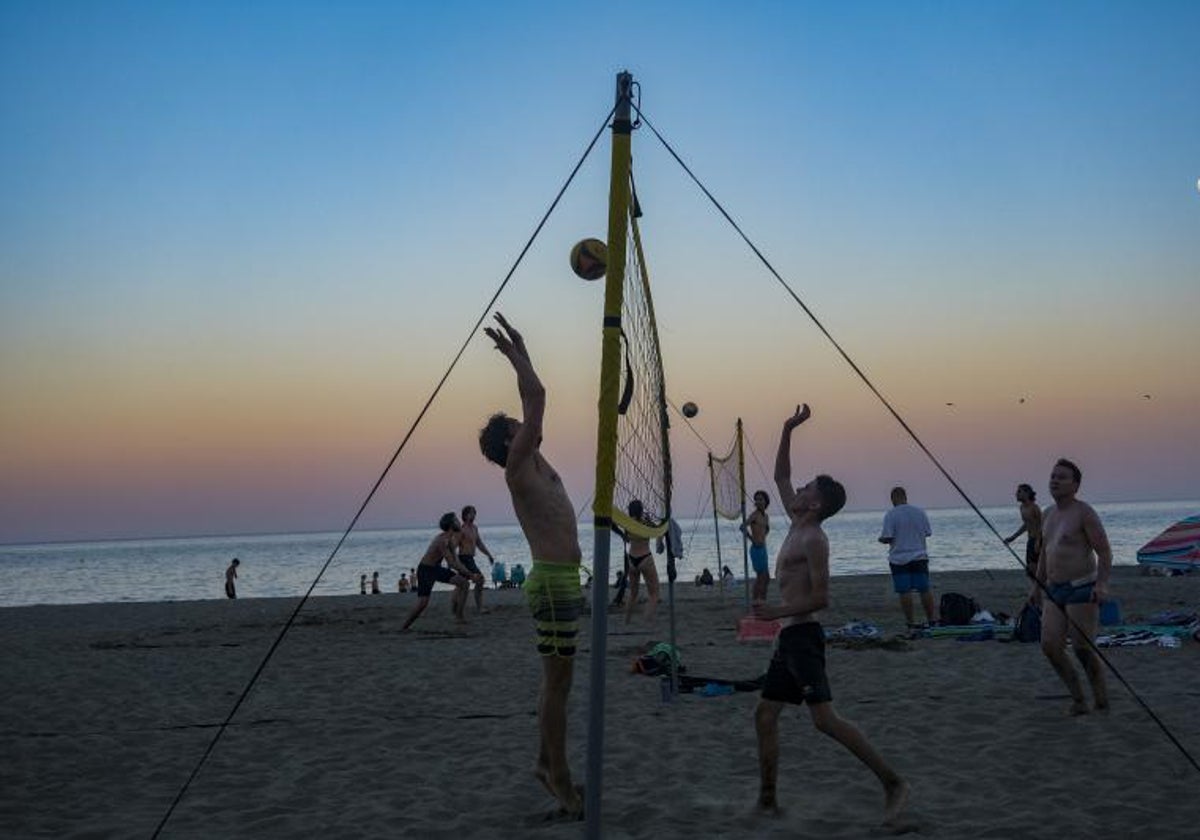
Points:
(589, 259)
(690, 410)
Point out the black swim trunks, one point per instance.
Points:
(797, 671)
(1031, 556)
(427, 576)
(468, 560)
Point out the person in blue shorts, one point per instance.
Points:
(905, 528)
(756, 527)
(1074, 566)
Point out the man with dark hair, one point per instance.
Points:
(1074, 566)
(756, 527)
(552, 589)
(1031, 524)
(468, 541)
(430, 570)
(905, 528)
(797, 671)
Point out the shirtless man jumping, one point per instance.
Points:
(552, 589)
(797, 670)
(1074, 565)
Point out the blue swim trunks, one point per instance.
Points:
(758, 559)
(911, 577)
(1068, 592)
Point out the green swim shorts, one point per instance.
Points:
(555, 599)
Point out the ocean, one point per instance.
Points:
(284, 565)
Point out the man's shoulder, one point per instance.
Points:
(532, 466)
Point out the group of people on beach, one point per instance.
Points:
(1067, 557)
(456, 543)
(1069, 579)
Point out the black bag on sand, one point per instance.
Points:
(956, 610)
(1029, 624)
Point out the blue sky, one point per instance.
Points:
(242, 242)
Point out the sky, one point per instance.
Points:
(241, 243)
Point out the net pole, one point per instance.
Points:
(712, 477)
(742, 494)
(606, 442)
(671, 609)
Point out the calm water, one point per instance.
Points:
(284, 565)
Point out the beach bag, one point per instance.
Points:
(1029, 624)
(657, 660)
(956, 610)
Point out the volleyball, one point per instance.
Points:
(690, 410)
(589, 258)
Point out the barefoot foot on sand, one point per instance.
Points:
(1077, 707)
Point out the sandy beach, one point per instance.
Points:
(356, 730)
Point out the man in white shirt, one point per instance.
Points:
(905, 528)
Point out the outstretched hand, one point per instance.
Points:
(509, 342)
(802, 414)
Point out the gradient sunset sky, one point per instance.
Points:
(240, 243)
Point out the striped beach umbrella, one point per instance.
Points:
(1177, 547)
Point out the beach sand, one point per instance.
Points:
(357, 730)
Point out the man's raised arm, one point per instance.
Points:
(533, 394)
(783, 458)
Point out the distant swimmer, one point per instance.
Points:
(756, 527)
(1074, 566)
(230, 577)
(375, 590)
(468, 542)
(430, 570)
(362, 584)
(1031, 524)
(552, 588)
(639, 564)
(796, 674)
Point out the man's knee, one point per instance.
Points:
(766, 714)
(824, 718)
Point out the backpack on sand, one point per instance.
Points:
(1029, 624)
(956, 610)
